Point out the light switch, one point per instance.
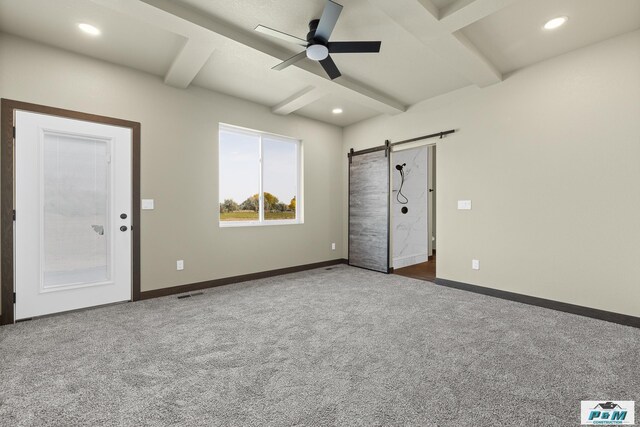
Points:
(147, 204)
(475, 264)
(464, 205)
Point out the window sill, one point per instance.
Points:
(232, 224)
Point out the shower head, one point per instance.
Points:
(399, 167)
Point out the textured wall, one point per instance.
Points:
(179, 164)
(550, 158)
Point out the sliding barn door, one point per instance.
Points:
(369, 210)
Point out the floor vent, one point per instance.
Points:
(190, 295)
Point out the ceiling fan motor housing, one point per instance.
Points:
(313, 26)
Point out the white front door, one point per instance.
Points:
(73, 214)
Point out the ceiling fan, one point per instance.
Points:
(317, 45)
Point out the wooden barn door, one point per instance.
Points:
(369, 209)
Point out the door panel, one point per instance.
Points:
(75, 194)
(73, 180)
(369, 211)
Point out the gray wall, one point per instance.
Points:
(551, 160)
(179, 164)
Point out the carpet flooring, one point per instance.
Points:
(339, 346)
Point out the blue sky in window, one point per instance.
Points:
(239, 167)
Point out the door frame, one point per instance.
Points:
(7, 196)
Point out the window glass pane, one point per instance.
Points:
(280, 178)
(75, 210)
(239, 176)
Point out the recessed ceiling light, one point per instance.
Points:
(555, 22)
(337, 111)
(89, 29)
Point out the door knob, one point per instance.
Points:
(123, 228)
(123, 215)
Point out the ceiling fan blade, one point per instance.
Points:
(330, 67)
(328, 20)
(354, 47)
(280, 35)
(291, 61)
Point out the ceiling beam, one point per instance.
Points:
(191, 24)
(430, 7)
(465, 12)
(367, 97)
(188, 63)
(421, 19)
(458, 50)
(298, 100)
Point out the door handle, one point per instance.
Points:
(123, 215)
(123, 228)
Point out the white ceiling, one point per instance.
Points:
(123, 41)
(321, 110)
(513, 38)
(443, 4)
(393, 71)
(429, 47)
(252, 77)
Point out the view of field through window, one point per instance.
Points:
(241, 174)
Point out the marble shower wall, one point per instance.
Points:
(409, 231)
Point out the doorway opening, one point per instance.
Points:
(414, 212)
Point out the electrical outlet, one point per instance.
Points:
(180, 264)
(333, 246)
(475, 264)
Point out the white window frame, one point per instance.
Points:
(299, 196)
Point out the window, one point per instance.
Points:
(259, 178)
